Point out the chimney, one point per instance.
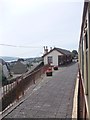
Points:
(50, 48)
(45, 49)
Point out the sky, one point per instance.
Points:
(28, 25)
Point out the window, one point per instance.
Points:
(50, 59)
(83, 57)
(86, 58)
(86, 41)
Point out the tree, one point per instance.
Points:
(21, 59)
(74, 53)
(4, 80)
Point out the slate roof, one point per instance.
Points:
(63, 51)
(2, 71)
(2, 62)
(19, 68)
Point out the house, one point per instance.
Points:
(56, 56)
(19, 68)
(4, 70)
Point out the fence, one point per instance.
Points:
(15, 90)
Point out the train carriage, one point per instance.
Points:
(84, 65)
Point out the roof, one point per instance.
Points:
(4, 71)
(19, 68)
(2, 62)
(63, 51)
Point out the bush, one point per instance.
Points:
(4, 81)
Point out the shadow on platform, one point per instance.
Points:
(68, 64)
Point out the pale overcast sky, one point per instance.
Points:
(38, 23)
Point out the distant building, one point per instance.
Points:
(56, 56)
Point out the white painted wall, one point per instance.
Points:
(54, 54)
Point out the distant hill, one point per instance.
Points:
(36, 59)
(7, 59)
(10, 59)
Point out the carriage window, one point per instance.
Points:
(83, 58)
(86, 41)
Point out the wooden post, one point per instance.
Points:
(17, 96)
(33, 77)
(22, 86)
